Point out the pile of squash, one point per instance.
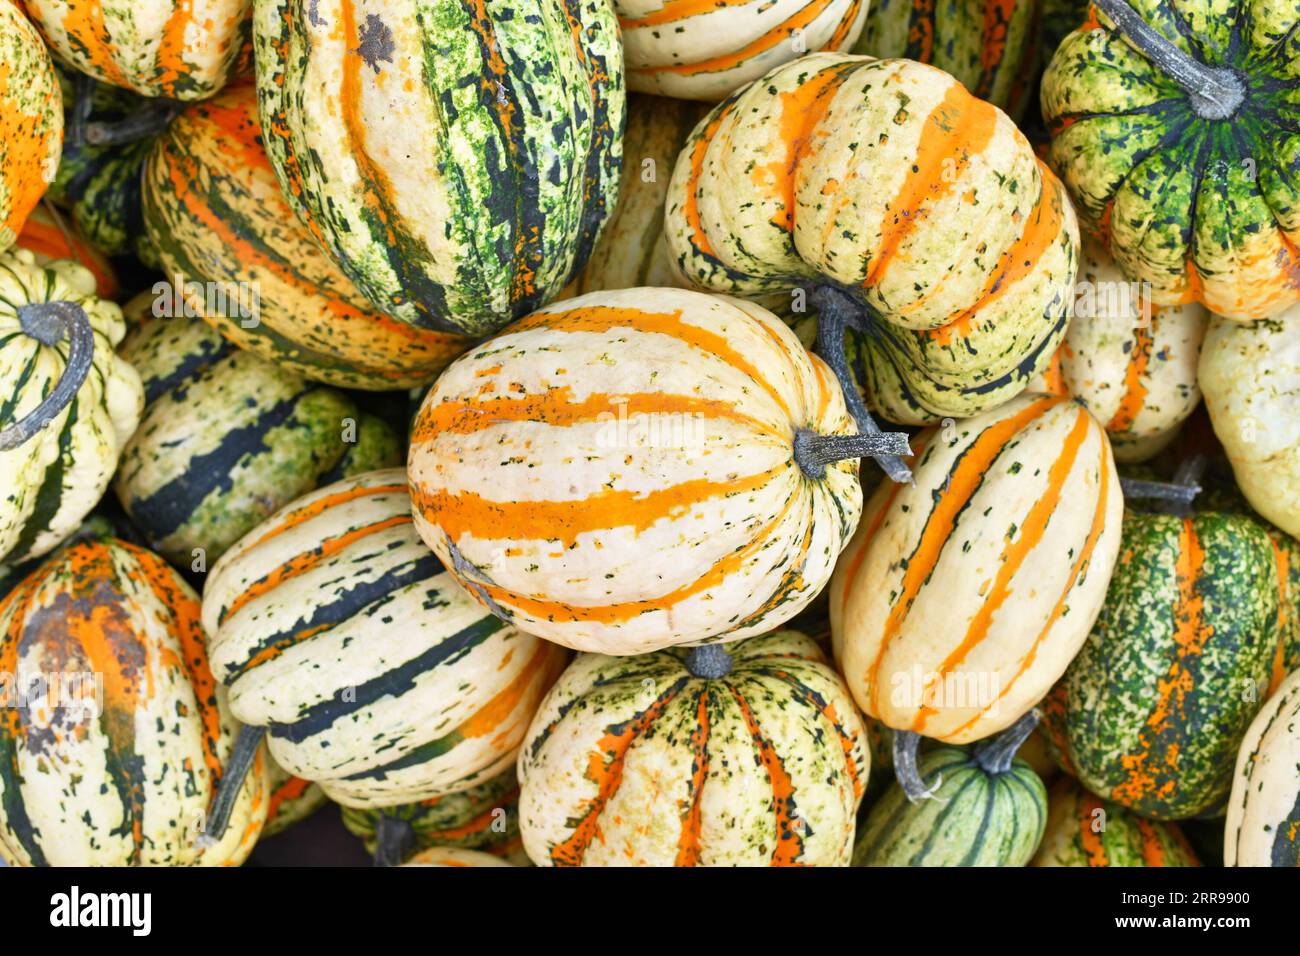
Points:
(645, 432)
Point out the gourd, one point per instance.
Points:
(1263, 822)
(49, 238)
(158, 48)
(750, 754)
(128, 780)
(215, 213)
(460, 167)
(410, 689)
(291, 799)
(1169, 129)
(988, 809)
(453, 856)
(704, 52)
(1250, 375)
(938, 250)
(31, 121)
(227, 438)
(638, 468)
(1084, 830)
(67, 402)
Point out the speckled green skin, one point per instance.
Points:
(1156, 703)
(974, 818)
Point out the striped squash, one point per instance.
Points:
(31, 121)
(699, 51)
(990, 46)
(227, 438)
(1176, 145)
(1263, 823)
(48, 237)
(748, 755)
(54, 329)
(291, 799)
(215, 213)
(128, 780)
(914, 212)
(1084, 830)
(173, 48)
(453, 856)
(414, 690)
(1250, 375)
(618, 472)
(458, 165)
(1156, 703)
(964, 596)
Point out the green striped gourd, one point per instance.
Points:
(623, 505)
(1155, 704)
(227, 438)
(1250, 374)
(1084, 830)
(702, 51)
(62, 428)
(989, 808)
(160, 48)
(454, 856)
(31, 121)
(1170, 129)
(458, 166)
(215, 213)
(415, 691)
(1263, 824)
(291, 799)
(917, 218)
(129, 782)
(964, 596)
(750, 754)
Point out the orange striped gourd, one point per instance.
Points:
(31, 121)
(1085, 830)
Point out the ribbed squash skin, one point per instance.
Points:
(214, 210)
(624, 506)
(292, 799)
(975, 819)
(453, 856)
(48, 237)
(181, 49)
(1157, 700)
(983, 577)
(887, 179)
(1220, 227)
(227, 438)
(50, 483)
(1263, 824)
(470, 194)
(1131, 364)
(131, 785)
(704, 52)
(31, 121)
(634, 761)
(414, 690)
(987, 45)
(1250, 375)
(1084, 830)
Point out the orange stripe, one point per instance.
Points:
(1153, 851)
(841, 34)
(789, 839)
(527, 686)
(1135, 388)
(688, 843)
(1089, 839)
(84, 24)
(313, 509)
(170, 65)
(27, 169)
(675, 10)
(1282, 559)
(691, 210)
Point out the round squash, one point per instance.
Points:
(459, 167)
(1263, 823)
(916, 218)
(964, 596)
(126, 776)
(639, 468)
(292, 799)
(48, 237)
(170, 48)
(374, 675)
(61, 427)
(705, 51)
(1084, 830)
(31, 121)
(746, 755)
(453, 856)
(227, 438)
(1171, 130)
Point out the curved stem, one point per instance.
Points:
(813, 452)
(144, 123)
(710, 661)
(997, 754)
(232, 782)
(906, 744)
(394, 839)
(1216, 92)
(48, 323)
(467, 572)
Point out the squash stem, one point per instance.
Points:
(710, 661)
(836, 310)
(996, 755)
(231, 783)
(1174, 497)
(906, 744)
(144, 123)
(1215, 92)
(84, 101)
(394, 839)
(466, 572)
(48, 323)
(813, 452)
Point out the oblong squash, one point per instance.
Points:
(1263, 823)
(1084, 830)
(31, 121)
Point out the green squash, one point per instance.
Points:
(1084, 830)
